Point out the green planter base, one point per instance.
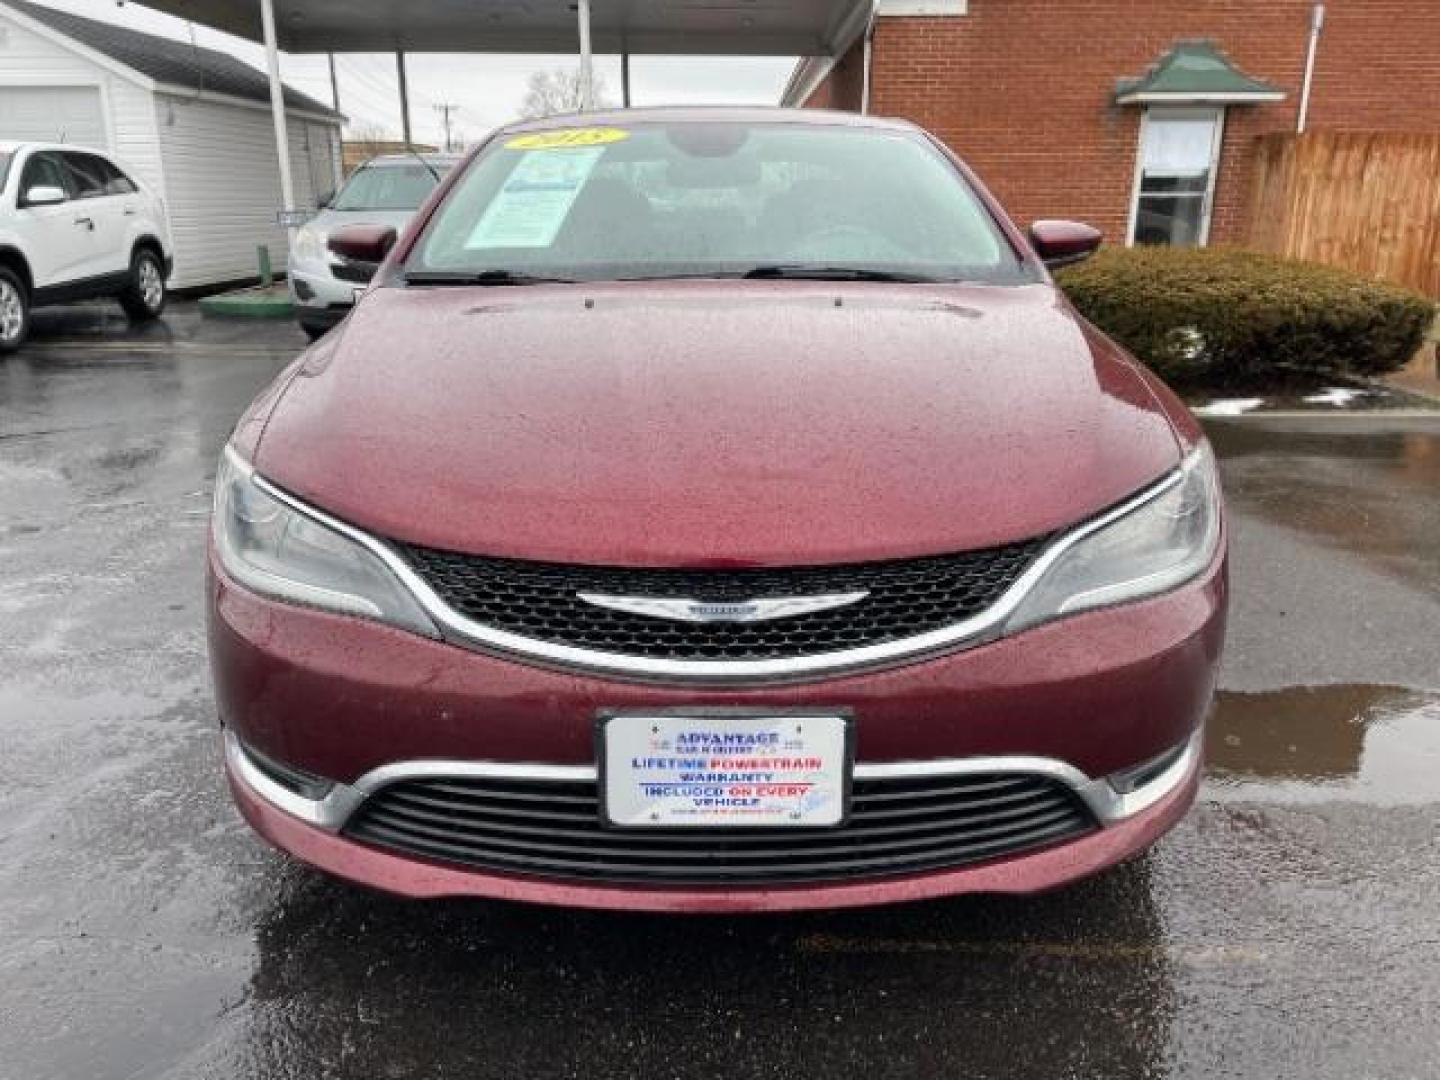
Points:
(252, 303)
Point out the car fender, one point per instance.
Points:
(144, 232)
(11, 254)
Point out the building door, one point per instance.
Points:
(1175, 176)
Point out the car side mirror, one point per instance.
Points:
(43, 195)
(1061, 243)
(362, 243)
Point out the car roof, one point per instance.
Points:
(409, 159)
(10, 146)
(754, 114)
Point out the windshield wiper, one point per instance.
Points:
(481, 277)
(811, 272)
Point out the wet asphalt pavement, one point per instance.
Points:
(1290, 927)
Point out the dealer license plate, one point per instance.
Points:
(725, 770)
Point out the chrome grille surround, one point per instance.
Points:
(985, 626)
(884, 602)
(334, 809)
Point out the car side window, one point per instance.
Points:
(43, 170)
(87, 177)
(116, 182)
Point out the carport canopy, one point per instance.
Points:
(723, 27)
(730, 27)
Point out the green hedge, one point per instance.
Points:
(1223, 316)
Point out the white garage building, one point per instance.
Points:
(193, 124)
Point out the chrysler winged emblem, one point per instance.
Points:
(726, 611)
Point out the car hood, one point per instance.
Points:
(715, 424)
(329, 220)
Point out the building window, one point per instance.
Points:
(1175, 176)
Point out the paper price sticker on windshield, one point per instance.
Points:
(566, 138)
(534, 202)
(722, 771)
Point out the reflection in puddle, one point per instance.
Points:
(1372, 744)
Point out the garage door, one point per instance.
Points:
(69, 114)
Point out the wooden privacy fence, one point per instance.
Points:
(1367, 202)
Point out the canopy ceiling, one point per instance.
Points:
(733, 27)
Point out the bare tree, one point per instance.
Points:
(558, 91)
(369, 132)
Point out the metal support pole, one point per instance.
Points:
(587, 86)
(404, 97)
(1317, 23)
(625, 78)
(334, 83)
(337, 142)
(868, 58)
(337, 161)
(277, 104)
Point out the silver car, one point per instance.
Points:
(384, 191)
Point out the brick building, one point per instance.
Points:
(1138, 116)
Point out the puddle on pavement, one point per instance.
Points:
(1352, 743)
(1371, 492)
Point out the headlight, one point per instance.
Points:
(309, 245)
(275, 549)
(1165, 540)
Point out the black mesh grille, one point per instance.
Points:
(355, 271)
(907, 597)
(553, 829)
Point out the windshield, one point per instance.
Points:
(707, 198)
(388, 187)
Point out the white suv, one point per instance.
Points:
(74, 225)
(383, 191)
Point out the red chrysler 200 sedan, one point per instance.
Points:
(715, 510)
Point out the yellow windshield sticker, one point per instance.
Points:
(567, 138)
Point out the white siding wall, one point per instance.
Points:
(134, 138)
(27, 59)
(223, 185)
(30, 59)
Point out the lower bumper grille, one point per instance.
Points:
(553, 829)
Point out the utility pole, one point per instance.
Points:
(445, 109)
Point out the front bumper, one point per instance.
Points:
(353, 701)
(321, 300)
(424, 879)
(321, 318)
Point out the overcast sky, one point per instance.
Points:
(488, 88)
